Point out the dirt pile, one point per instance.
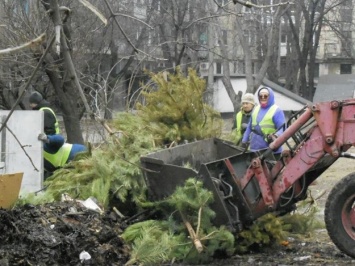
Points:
(62, 233)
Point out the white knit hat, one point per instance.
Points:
(248, 98)
(264, 90)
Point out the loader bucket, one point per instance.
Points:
(217, 163)
(166, 169)
(10, 185)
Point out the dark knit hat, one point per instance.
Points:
(35, 97)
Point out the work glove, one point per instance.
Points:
(43, 137)
(270, 138)
(244, 125)
(244, 146)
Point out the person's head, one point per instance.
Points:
(248, 102)
(35, 99)
(266, 97)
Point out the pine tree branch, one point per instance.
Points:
(199, 220)
(195, 240)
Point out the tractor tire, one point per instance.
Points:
(339, 215)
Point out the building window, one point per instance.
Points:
(345, 3)
(22, 6)
(316, 70)
(283, 38)
(346, 13)
(218, 68)
(222, 2)
(345, 68)
(224, 37)
(346, 43)
(221, 38)
(268, 19)
(203, 38)
(330, 49)
(239, 67)
(138, 33)
(156, 5)
(250, 36)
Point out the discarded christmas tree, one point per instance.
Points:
(174, 110)
(185, 232)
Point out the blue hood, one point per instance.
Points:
(271, 100)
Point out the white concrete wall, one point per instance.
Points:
(223, 103)
(221, 100)
(20, 149)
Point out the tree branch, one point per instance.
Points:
(250, 4)
(94, 10)
(135, 49)
(128, 16)
(29, 44)
(28, 83)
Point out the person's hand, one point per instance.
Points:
(244, 125)
(43, 137)
(270, 138)
(244, 146)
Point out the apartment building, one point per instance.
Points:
(335, 52)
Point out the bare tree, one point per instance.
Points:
(91, 48)
(258, 39)
(107, 59)
(15, 67)
(313, 14)
(306, 21)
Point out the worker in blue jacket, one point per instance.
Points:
(266, 123)
(57, 153)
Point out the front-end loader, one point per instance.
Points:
(247, 185)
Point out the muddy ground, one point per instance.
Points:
(58, 234)
(63, 233)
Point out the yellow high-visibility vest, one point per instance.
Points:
(59, 158)
(56, 125)
(266, 125)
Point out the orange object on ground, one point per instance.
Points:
(10, 185)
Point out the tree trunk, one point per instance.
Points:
(68, 101)
(63, 80)
(307, 11)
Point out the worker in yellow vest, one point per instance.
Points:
(242, 117)
(57, 153)
(37, 102)
(267, 122)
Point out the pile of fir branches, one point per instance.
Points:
(187, 220)
(174, 110)
(109, 172)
